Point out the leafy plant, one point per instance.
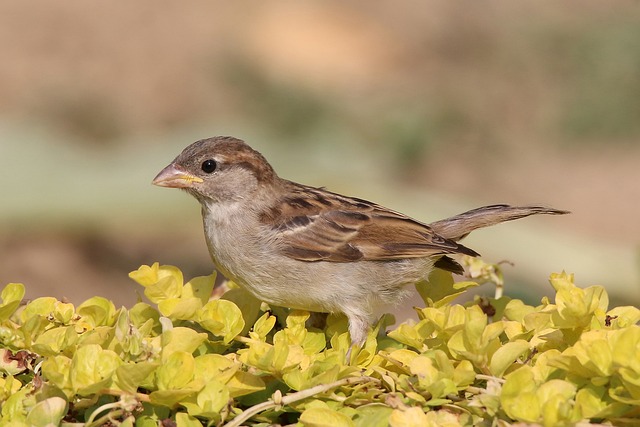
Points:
(191, 360)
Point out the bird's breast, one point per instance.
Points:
(237, 244)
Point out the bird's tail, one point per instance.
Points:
(458, 226)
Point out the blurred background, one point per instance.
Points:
(431, 108)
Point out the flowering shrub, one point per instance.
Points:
(191, 360)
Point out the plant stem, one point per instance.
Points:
(278, 400)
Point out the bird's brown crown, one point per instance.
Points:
(231, 151)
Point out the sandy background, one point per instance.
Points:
(428, 107)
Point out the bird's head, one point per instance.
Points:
(218, 169)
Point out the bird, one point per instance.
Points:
(307, 248)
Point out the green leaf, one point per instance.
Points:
(130, 376)
(97, 311)
(92, 369)
(176, 371)
(624, 347)
(184, 420)
(55, 340)
(170, 398)
(150, 275)
(622, 317)
(57, 370)
(423, 368)
(440, 288)
(561, 281)
(243, 383)
(409, 335)
(160, 282)
(42, 306)
(146, 275)
(477, 340)
(209, 367)
(517, 310)
(101, 335)
(286, 355)
(263, 326)
(409, 417)
(13, 408)
(576, 307)
(474, 327)
(324, 417)
(8, 386)
(165, 288)
(63, 313)
(325, 374)
(180, 339)
(506, 356)
(556, 398)
(200, 287)
(140, 313)
(11, 297)
(537, 321)
(314, 342)
(248, 304)
(631, 381)
(464, 375)
(590, 401)
(180, 308)
(518, 398)
(404, 356)
(372, 415)
(222, 318)
(590, 357)
(210, 401)
(259, 355)
(48, 412)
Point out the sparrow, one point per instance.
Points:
(307, 248)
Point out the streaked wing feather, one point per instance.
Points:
(317, 225)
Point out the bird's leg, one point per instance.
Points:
(347, 357)
(358, 329)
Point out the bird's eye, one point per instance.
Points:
(209, 166)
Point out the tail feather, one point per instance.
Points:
(458, 226)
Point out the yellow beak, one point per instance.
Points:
(174, 177)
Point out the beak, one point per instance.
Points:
(174, 177)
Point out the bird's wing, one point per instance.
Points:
(317, 225)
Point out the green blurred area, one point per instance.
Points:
(430, 108)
